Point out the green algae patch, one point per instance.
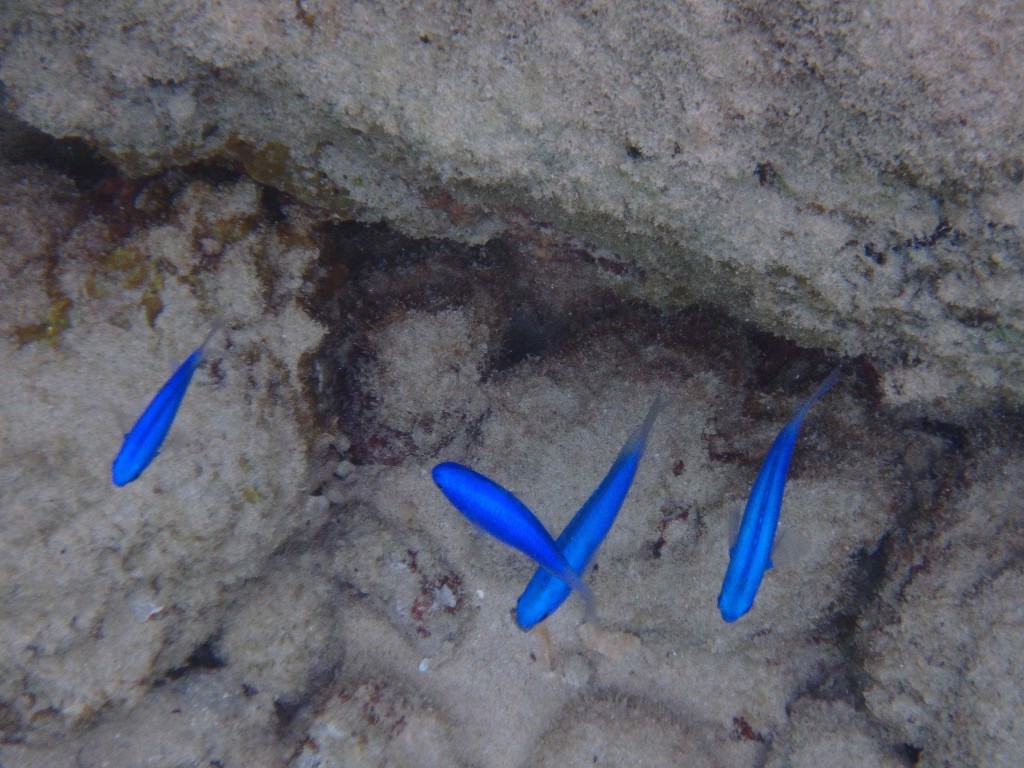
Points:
(124, 259)
(132, 265)
(57, 321)
(130, 270)
(151, 302)
(56, 313)
(272, 163)
(251, 495)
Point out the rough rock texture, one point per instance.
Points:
(285, 586)
(943, 646)
(843, 175)
(107, 590)
(831, 733)
(550, 430)
(637, 197)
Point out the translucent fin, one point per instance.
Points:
(791, 546)
(735, 518)
(819, 393)
(653, 411)
(122, 419)
(174, 359)
(638, 439)
(209, 336)
(590, 611)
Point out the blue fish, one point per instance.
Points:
(750, 555)
(583, 535)
(506, 518)
(141, 445)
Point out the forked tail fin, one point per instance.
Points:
(819, 393)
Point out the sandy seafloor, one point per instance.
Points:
(285, 586)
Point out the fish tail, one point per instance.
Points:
(216, 327)
(590, 610)
(820, 392)
(575, 581)
(638, 440)
(653, 411)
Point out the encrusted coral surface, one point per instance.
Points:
(842, 175)
(942, 645)
(632, 198)
(105, 591)
(285, 586)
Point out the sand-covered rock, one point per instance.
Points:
(106, 589)
(285, 586)
(832, 733)
(844, 176)
(943, 647)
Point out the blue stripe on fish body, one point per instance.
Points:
(143, 442)
(750, 555)
(584, 534)
(506, 518)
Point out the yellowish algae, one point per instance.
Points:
(57, 321)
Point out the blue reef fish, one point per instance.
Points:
(141, 445)
(750, 555)
(506, 518)
(583, 535)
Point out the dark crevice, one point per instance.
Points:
(206, 656)
(537, 300)
(955, 435)
(73, 157)
(910, 754)
(868, 572)
(286, 712)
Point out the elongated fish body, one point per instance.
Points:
(506, 518)
(143, 442)
(584, 534)
(750, 555)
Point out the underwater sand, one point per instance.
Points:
(285, 586)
